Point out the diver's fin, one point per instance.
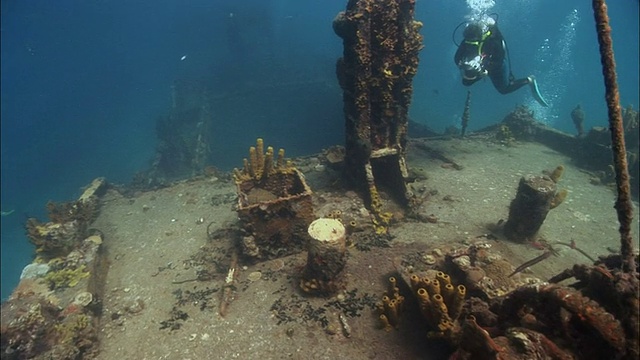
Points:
(536, 92)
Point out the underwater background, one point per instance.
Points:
(84, 83)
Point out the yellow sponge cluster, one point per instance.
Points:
(440, 302)
(391, 306)
(561, 195)
(260, 165)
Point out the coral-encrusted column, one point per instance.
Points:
(530, 207)
(381, 45)
(327, 257)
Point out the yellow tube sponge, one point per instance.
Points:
(440, 308)
(385, 323)
(267, 163)
(425, 304)
(253, 162)
(415, 281)
(458, 300)
(440, 302)
(392, 313)
(448, 293)
(260, 165)
(443, 278)
(558, 198)
(433, 287)
(423, 297)
(556, 174)
(392, 305)
(259, 156)
(246, 166)
(280, 161)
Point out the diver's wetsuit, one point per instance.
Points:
(494, 61)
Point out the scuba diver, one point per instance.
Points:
(483, 52)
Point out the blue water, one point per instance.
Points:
(83, 83)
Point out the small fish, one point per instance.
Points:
(532, 262)
(183, 57)
(6, 213)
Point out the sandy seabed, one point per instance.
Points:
(166, 271)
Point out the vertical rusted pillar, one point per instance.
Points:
(381, 45)
(624, 206)
(466, 115)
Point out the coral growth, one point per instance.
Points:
(65, 276)
(504, 135)
(39, 330)
(26, 335)
(68, 225)
(54, 239)
(521, 124)
(82, 211)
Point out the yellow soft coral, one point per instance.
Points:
(66, 277)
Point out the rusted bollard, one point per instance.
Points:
(326, 257)
(530, 207)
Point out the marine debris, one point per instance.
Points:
(381, 45)
(614, 289)
(274, 205)
(228, 288)
(529, 319)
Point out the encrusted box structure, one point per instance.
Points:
(274, 206)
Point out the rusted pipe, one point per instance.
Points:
(623, 203)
